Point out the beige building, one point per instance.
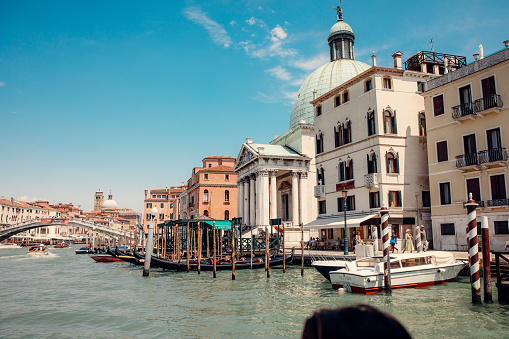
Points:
(467, 140)
(163, 199)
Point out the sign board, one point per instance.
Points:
(426, 216)
(275, 222)
(345, 185)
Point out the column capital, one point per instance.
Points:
(295, 174)
(262, 173)
(303, 175)
(252, 176)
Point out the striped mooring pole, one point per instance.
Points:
(486, 259)
(384, 214)
(473, 251)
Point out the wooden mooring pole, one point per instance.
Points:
(267, 255)
(234, 247)
(199, 247)
(386, 252)
(302, 250)
(486, 260)
(473, 251)
(214, 245)
(187, 245)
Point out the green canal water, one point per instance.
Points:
(70, 296)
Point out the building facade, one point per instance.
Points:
(163, 199)
(467, 149)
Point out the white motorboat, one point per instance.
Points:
(407, 270)
(326, 266)
(40, 249)
(9, 245)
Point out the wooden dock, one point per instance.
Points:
(502, 273)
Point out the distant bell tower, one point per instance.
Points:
(98, 200)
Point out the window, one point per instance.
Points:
(498, 187)
(149, 205)
(319, 143)
(206, 213)
(318, 111)
(337, 135)
(372, 167)
(171, 216)
(420, 86)
(438, 105)
(470, 150)
(227, 177)
(374, 199)
(371, 123)
(367, 85)
(350, 203)
(205, 176)
(501, 227)
(148, 216)
(226, 215)
(320, 176)
(321, 207)
(345, 170)
(387, 83)
(442, 153)
(162, 205)
(390, 122)
(227, 196)
(426, 199)
(422, 124)
(494, 144)
(347, 132)
(345, 96)
(392, 163)
(205, 195)
(473, 187)
(395, 199)
(153, 196)
(337, 101)
(161, 216)
(447, 229)
(445, 193)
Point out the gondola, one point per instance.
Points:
(128, 258)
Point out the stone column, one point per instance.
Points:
(264, 198)
(245, 200)
(303, 196)
(252, 212)
(295, 199)
(240, 199)
(258, 199)
(273, 195)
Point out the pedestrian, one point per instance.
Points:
(407, 244)
(358, 321)
(393, 242)
(423, 239)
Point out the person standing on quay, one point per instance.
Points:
(408, 245)
(393, 242)
(423, 239)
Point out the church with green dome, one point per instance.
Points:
(277, 180)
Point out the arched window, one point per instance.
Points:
(372, 166)
(390, 122)
(346, 96)
(422, 124)
(227, 196)
(337, 134)
(392, 163)
(205, 195)
(371, 122)
(337, 100)
(368, 85)
(387, 83)
(319, 143)
(226, 215)
(206, 213)
(346, 170)
(320, 176)
(347, 132)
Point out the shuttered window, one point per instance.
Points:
(438, 105)
(442, 154)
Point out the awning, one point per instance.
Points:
(338, 222)
(220, 224)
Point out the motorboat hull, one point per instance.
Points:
(326, 266)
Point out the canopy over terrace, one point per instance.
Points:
(352, 220)
(220, 224)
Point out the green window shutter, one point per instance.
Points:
(378, 199)
(374, 163)
(353, 203)
(371, 204)
(351, 169)
(397, 164)
(389, 199)
(400, 203)
(387, 163)
(395, 124)
(385, 125)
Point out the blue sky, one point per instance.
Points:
(130, 95)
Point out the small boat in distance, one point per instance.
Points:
(83, 250)
(9, 245)
(105, 258)
(40, 249)
(61, 245)
(407, 270)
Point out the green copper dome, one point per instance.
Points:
(325, 78)
(340, 27)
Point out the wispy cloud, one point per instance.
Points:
(266, 99)
(26, 198)
(2, 84)
(233, 23)
(279, 72)
(254, 21)
(311, 63)
(217, 33)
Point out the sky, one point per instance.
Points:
(124, 96)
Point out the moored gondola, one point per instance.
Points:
(128, 258)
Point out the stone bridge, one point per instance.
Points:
(9, 231)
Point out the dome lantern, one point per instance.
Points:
(341, 39)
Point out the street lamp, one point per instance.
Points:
(150, 243)
(345, 195)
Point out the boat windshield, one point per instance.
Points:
(368, 262)
(416, 261)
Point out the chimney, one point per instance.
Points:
(146, 192)
(261, 150)
(481, 52)
(314, 94)
(476, 56)
(397, 60)
(506, 44)
(373, 59)
(446, 65)
(249, 140)
(275, 137)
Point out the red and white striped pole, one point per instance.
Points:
(384, 215)
(486, 259)
(473, 251)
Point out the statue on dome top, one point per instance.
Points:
(340, 12)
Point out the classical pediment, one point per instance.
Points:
(245, 156)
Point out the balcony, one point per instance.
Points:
(480, 106)
(483, 157)
(478, 202)
(371, 180)
(319, 191)
(497, 202)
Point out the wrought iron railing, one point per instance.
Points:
(497, 202)
(492, 155)
(479, 202)
(487, 103)
(463, 110)
(467, 160)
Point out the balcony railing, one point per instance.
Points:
(478, 106)
(482, 157)
(479, 202)
(497, 202)
(319, 190)
(493, 155)
(371, 180)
